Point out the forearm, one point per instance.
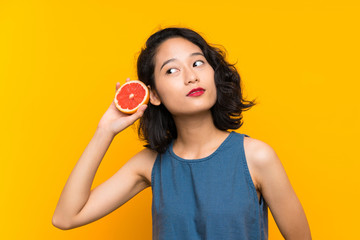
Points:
(78, 186)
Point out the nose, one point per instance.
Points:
(191, 77)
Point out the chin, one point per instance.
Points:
(190, 112)
(194, 108)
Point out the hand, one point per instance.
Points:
(115, 121)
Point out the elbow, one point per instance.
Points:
(61, 224)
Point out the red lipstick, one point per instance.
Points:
(196, 92)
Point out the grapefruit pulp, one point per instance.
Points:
(130, 96)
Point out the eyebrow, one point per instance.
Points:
(172, 59)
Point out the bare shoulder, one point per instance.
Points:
(143, 162)
(258, 152)
(273, 183)
(259, 156)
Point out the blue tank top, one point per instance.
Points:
(208, 198)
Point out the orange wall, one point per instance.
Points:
(60, 60)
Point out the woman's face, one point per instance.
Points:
(184, 80)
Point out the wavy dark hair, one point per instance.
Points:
(157, 126)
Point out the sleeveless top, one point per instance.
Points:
(208, 198)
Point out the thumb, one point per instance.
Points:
(140, 112)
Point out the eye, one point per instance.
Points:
(171, 71)
(198, 63)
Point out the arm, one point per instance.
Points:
(78, 205)
(278, 193)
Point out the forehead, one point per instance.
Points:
(178, 48)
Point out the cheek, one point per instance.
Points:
(167, 94)
(213, 86)
(213, 97)
(170, 97)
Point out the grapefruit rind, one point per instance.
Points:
(132, 110)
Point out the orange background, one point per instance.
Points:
(60, 60)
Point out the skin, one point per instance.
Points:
(192, 115)
(187, 69)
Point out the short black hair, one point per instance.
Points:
(157, 126)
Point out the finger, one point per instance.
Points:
(142, 108)
(117, 86)
(139, 113)
(127, 79)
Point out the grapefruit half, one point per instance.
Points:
(130, 96)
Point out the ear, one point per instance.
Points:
(154, 97)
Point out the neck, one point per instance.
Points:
(197, 135)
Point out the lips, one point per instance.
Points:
(196, 92)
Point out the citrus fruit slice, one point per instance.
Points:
(130, 96)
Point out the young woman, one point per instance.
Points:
(207, 182)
